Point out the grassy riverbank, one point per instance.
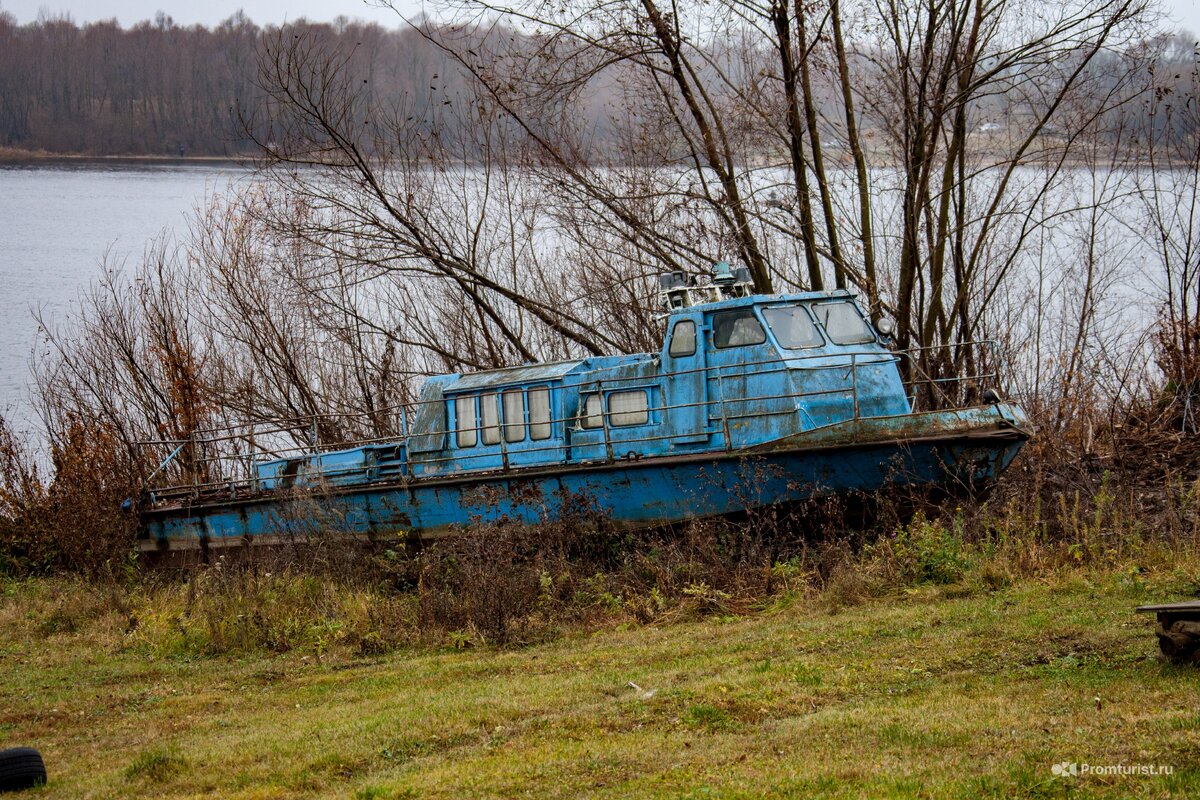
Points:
(953, 691)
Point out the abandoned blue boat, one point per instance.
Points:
(754, 400)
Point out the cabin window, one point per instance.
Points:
(514, 415)
(539, 413)
(490, 414)
(792, 326)
(628, 408)
(843, 323)
(683, 339)
(737, 329)
(592, 413)
(464, 421)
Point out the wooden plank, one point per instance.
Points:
(1184, 606)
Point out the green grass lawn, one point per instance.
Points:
(922, 694)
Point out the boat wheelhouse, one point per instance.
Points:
(753, 400)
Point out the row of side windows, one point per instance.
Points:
(626, 408)
(477, 416)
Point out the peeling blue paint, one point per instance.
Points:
(737, 421)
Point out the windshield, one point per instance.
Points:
(792, 327)
(843, 323)
(737, 329)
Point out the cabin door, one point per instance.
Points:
(686, 382)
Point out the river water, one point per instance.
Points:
(60, 225)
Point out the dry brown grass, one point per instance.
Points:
(72, 521)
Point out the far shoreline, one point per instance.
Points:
(19, 157)
(11, 156)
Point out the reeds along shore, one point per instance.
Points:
(1123, 502)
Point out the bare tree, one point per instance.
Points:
(868, 128)
(924, 154)
(444, 214)
(1170, 192)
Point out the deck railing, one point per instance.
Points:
(224, 459)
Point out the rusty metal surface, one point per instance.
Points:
(631, 493)
(961, 426)
(531, 373)
(754, 424)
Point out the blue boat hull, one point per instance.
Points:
(959, 451)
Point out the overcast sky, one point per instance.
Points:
(1186, 13)
(210, 12)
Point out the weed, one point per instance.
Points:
(707, 717)
(336, 766)
(158, 764)
(806, 675)
(929, 552)
(372, 792)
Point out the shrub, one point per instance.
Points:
(252, 607)
(488, 580)
(929, 552)
(158, 764)
(75, 520)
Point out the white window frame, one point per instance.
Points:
(821, 312)
(466, 435)
(740, 315)
(804, 313)
(591, 412)
(540, 429)
(627, 418)
(489, 426)
(514, 428)
(675, 338)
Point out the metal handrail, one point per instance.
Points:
(722, 403)
(776, 364)
(252, 436)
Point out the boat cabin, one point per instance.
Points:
(735, 371)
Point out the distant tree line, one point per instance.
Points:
(157, 86)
